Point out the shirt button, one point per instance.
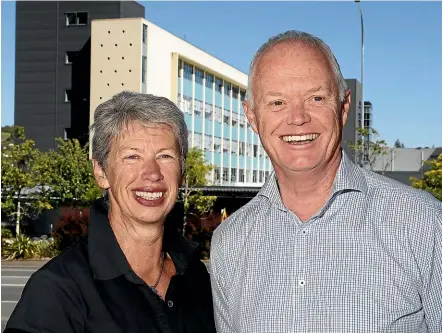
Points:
(169, 304)
(301, 282)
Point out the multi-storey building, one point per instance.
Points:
(137, 55)
(52, 61)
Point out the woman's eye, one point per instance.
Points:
(165, 156)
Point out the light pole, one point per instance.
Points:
(362, 80)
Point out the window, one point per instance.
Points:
(180, 66)
(243, 95)
(70, 57)
(199, 74)
(226, 120)
(235, 92)
(188, 71)
(77, 18)
(217, 174)
(219, 85)
(226, 145)
(208, 111)
(241, 175)
(255, 150)
(242, 148)
(143, 69)
(227, 87)
(233, 176)
(225, 174)
(209, 80)
(254, 176)
(67, 95)
(144, 34)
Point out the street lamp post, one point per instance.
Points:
(362, 79)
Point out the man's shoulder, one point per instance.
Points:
(398, 195)
(242, 217)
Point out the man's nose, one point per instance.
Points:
(152, 171)
(297, 114)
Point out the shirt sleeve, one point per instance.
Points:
(223, 320)
(49, 304)
(430, 264)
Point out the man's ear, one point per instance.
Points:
(250, 114)
(345, 108)
(100, 175)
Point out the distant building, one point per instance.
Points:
(52, 61)
(403, 163)
(137, 55)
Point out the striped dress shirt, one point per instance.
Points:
(369, 261)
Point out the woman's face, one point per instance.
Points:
(143, 173)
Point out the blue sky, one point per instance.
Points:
(403, 50)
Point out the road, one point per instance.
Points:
(14, 277)
(15, 274)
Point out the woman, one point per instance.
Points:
(132, 273)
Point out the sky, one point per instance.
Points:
(403, 51)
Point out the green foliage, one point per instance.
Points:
(62, 177)
(72, 179)
(19, 171)
(21, 247)
(398, 144)
(432, 179)
(372, 149)
(6, 233)
(45, 248)
(195, 176)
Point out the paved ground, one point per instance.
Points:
(15, 274)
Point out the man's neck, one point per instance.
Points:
(305, 193)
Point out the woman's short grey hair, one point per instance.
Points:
(114, 115)
(307, 39)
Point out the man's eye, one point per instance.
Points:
(132, 157)
(318, 99)
(277, 103)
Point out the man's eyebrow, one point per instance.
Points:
(273, 93)
(316, 89)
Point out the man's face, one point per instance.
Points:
(143, 173)
(296, 109)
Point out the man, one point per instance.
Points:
(325, 246)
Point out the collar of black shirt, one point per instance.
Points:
(108, 261)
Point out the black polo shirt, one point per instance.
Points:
(90, 287)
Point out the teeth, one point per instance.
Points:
(298, 138)
(149, 195)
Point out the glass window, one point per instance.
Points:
(67, 95)
(199, 75)
(144, 34)
(188, 71)
(219, 85)
(76, 18)
(143, 69)
(209, 80)
(70, 57)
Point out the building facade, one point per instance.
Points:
(137, 55)
(52, 59)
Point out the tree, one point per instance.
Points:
(398, 144)
(195, 176)
(369, 151)
(23, 178)
(72, 182)
(432, 179)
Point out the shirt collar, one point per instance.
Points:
(106, 258)
(348, 178)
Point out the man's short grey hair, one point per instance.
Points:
(306, 39)
(116, 114)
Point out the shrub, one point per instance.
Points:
(21, 247)
(6, 233)
(45, 248)
(71, 227)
